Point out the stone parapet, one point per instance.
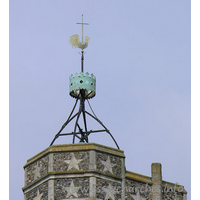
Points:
(138, 177)
(75, 147)
(68, 167)
(89, 171)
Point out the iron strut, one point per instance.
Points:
(81, 135)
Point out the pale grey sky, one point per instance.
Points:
(140, 54)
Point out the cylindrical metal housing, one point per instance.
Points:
(81, 81)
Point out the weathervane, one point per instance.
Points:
(75, 42)
(82, 87)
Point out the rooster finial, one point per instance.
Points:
(75, 40)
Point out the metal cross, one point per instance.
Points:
(82, 27)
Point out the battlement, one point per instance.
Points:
(81, 81)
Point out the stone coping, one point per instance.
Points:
(173, 185)
(76, 147)
(146, 179)
(138, 177)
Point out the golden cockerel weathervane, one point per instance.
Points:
(75, 40)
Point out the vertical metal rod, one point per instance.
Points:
(82, 28)
(84, 119)
(82, 107)
(82, 59)
(76, 124)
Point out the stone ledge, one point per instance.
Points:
(138, 177)
(173, 185)
(147, 179)
(75, 147)
(87, 173)
(34, 184)
(54, 175)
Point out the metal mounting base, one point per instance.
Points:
(81, 135)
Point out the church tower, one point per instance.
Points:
(85, 170)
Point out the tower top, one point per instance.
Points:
(82, 87)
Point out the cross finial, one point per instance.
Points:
(82, 26)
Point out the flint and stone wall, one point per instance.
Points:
(90, 172)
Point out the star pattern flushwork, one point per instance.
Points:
(73, 163)
(110, 192)
(72, 190)
(39, 196)
(137, 196)
(108, 165)
(36, 171)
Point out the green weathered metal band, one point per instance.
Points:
(81, 81)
